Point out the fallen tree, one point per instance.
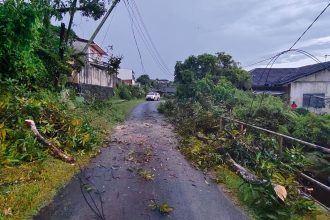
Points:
(249, 177)
(53, 150)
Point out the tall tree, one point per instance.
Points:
(216, 66)
(144, 80)
(89, 8)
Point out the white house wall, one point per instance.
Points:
(316, 83)
(94, 76)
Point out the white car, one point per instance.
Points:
(153, 96)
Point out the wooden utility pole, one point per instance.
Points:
(114, 3)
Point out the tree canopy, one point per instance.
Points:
(217, 66)
(144, 80)
(89, 8)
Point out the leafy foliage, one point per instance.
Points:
(212, 86)
(89, 8)
(114, 64)
(53, 118)
(217, 66)
(19, 36)
(128, 92)
(144, 80)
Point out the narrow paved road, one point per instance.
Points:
(114, 183)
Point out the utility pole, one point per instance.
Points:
(325, 57)
(114, 3)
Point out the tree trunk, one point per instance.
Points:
(246, 174)
(72, 12)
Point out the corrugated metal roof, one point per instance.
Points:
(281, 76)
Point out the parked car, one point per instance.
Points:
(153, 96)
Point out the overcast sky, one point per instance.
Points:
(249, 30)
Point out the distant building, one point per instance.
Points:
(166, 90)
(93, 80)
(94, 52)
(307, 86)
(163, 81)
(95, 70)
(127, 76)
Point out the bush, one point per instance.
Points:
(124, 92)
(128, 92)
(205, 92)
(53, 118)
(312, 128)
(19, 36)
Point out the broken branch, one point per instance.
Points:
(249, 177)
(56, 152)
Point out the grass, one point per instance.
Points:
(25, 189)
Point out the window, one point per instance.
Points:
(315, 100)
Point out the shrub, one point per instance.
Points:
(129, 92)
(206, 92)
(19, 36)
(123, 92)
(53, 118)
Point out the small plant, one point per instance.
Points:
(146, 174)
(131, 155)
(164, 208)
(148, 152)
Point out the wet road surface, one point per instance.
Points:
(115, 184)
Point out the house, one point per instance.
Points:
(307, 86)
(94, 77)
(163, 81)
(94, 52)
(166, 90)
(127, 76)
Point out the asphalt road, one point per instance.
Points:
(113, 185)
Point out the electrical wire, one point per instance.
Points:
(147, 39)
(299, 38)
(294, 44)
(111, 19)
(83, 182)
(148, 35)
(135, 40)
(272, 62)
(147, 43)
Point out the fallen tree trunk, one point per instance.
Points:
(249, 177)
(54, 151)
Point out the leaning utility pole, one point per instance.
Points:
(114, 3)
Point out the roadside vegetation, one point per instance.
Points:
(31, 179)
(210, 86)
(35, 63)
(128, 92)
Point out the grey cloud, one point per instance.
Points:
(247, 29)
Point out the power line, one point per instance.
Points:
(146, 40)
(148, 45)
(261, 61)
(106, 33)
(310, 26)
(135, 40)
(114, 3)
(148, 35)
(299, 38)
